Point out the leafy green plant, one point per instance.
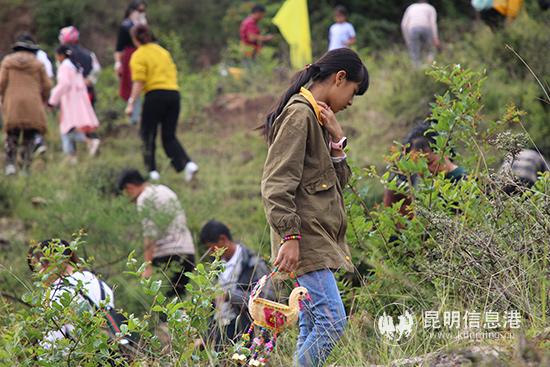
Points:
(22, 338)
(468, 245)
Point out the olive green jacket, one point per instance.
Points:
(302, 189)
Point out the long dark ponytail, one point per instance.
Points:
(330, 63)
(67, 51)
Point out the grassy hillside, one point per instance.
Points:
(217, 127)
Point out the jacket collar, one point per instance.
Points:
(309, 97)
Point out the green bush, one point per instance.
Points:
(452, 252)
(21, 335)
(509, 80)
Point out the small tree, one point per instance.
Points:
(467, 245)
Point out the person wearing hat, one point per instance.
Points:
(41, 55)
(39, 143)
(24, 90)
(70, 36)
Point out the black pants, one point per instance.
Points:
(493, 18)
(92, 95)
(162, 107)
(175, 268)
(27, 145)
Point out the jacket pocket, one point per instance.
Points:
(322, 182)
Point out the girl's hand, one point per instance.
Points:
(118, 68)
(129, 109)
(288, 256)
(329, 121)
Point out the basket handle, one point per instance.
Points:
(257, 290)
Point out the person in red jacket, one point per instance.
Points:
(251, 37)
(135, 14)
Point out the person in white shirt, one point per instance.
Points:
(42, 56)
(242, 270)
(341, 33)
(419, 27)
(87, 291)
(168, 243)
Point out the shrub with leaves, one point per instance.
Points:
(22, 339)
(466, 245)
(185, 333)
(25, 335)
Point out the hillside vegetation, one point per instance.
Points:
(469, 247)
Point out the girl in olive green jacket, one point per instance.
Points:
(304, 174)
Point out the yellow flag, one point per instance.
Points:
(293, 22)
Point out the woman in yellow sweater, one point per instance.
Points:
(499, 11)
(154, 73)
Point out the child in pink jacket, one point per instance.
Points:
(78, 121)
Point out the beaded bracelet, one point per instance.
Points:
(291, 237)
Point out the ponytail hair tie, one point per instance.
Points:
(314, 68)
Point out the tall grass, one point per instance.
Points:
(510, 266)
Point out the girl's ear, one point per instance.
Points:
(341, 77)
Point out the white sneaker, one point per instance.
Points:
(39, 145)
(41, 149)
(190, 169)
(154, 175)
(10, 170)
(93, 147)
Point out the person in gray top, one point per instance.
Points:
(168, 243)
(525, 168)
(419, 28)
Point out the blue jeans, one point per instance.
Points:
(322, 321)
(68, 141)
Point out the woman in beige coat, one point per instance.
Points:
(24, 90)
